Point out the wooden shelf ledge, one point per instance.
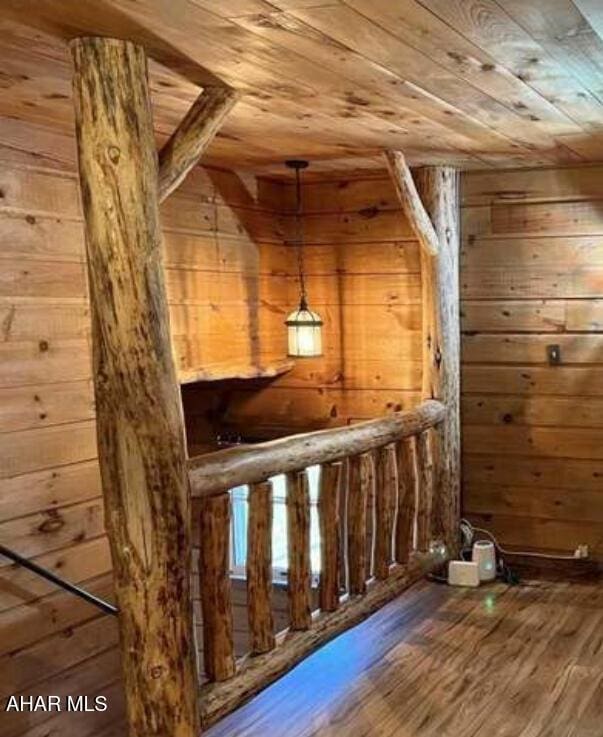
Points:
(221, 372)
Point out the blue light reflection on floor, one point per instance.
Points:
(325, 678)
(321, 679)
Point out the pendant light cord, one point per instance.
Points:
(299, 236)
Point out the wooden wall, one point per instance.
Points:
(50, 498)
(363, 278)
(532, 276)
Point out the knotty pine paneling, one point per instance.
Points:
(219, 284)
(532, 276)
(363, 277)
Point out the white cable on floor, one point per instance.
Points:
(504, 551)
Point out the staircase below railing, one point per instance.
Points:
(375, 474)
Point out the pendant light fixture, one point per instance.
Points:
(304, 327)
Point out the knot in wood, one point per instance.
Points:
(114, 154)
(53, 524)
(156, 671)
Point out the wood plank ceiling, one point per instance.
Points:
(475, 83)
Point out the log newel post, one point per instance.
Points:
(438, 189)
(430, 201)
(139, 415)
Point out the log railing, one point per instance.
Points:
(386, 461)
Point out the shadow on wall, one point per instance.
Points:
(260, 225)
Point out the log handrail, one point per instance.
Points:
(374, 502)
(212, 473)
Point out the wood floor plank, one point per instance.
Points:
(519, 661)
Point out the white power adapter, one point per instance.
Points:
(463, 573)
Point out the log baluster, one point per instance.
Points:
(350, 464)
(328, 518)
(298, 541)
(371, 528)
(407, 499)
(343, 525)
(425, 486)
(359, 479)
(259, 568)
(216, 599)
(385, 500)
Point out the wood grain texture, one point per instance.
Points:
(259, 567)
(554, 627)
(406, 501)
(186, 145)
(258, 672)
(457, 84)
(411, 203)
(139, 416)
(527, 424)
(215, 587)
(439, 191)
(298, 550)
(364, 303)
(240, 465)
(330, 524)
(360, 477)
(425, 490)
(386, 489)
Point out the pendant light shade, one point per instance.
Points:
(304, 327)
(304, 332)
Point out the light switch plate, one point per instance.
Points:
(463, 573)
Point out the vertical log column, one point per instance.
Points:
(139, 418)
(438, 189)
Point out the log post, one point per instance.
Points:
(328, 519)
(216, 593)
(431, 205)
(386, 488)
(259, 568)
(438, 189)
(138, 411)
(298, 547)
(407, 499)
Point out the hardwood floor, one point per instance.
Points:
(524, 661)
